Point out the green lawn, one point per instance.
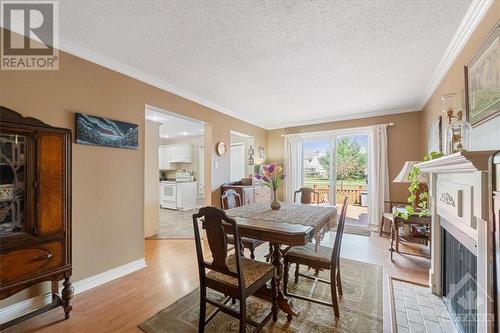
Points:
(323, 182)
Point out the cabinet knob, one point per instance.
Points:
(44, 256)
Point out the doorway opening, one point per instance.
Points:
(175, 173)
(336, 166)
(241, 162)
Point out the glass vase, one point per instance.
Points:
(275, 205)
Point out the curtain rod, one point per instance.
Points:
(339, 130)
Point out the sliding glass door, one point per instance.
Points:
(337, 166)
(351, 176)
(318, 167)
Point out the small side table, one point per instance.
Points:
(413, 220)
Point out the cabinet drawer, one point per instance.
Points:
(29, 261)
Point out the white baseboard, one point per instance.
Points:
(18, 309)
(104, 277)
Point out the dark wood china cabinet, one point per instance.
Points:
(35, 209)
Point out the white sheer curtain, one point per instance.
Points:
(378, 177)
(293, 165)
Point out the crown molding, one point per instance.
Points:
(345, 117)
(137, 74)
(469, 23)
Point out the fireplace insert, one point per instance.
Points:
(459, 282)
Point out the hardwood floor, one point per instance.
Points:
(171, 272)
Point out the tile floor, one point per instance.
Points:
(419, 311)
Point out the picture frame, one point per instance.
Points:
(482, 80)
(260, 152)
(105, 132)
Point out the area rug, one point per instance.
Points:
(360, 231)
(360, 307)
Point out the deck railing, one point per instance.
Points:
(352, 193)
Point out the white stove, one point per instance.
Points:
(182, 176)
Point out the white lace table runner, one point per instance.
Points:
(321, 218)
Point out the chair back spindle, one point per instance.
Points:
(307, 195)
(338, 235)
(216, 224)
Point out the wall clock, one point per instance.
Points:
(221, 148)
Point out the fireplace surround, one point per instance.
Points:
(462, 255)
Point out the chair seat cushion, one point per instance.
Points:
(246, 241)
(308, 252)
(253, 270)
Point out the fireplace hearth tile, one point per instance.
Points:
(429, 314)
(402, 329)
(424, 301)
(400, 305)
(416, 328)
(426, 313)
(412, 304)
(401, 318)
(442, 311)
(435, 299)
(398, 294)
(447, 325)
(414, 316)
(433, 327)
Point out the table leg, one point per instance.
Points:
(396, 221)
(284, 303)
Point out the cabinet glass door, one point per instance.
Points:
(12, 184)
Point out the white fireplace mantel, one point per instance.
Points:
(462, 162)
(458, 199)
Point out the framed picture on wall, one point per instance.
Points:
(482, 80)
(99, 131)
(260, 152)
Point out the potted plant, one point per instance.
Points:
(272, 178)
(418, 207)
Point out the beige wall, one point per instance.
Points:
(108, 183)
(403, 142)
(454, 80)
(151, 178)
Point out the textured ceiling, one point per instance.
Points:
(275, 63)
(174, 127)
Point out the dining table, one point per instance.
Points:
(291, 225)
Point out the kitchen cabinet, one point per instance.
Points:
(179, 153)
(164, 158)
(250, 193)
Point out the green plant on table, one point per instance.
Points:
(422, 208)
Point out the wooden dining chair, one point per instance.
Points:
(231, 199)
(321, 258)
(233, 275)
(307, 195)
